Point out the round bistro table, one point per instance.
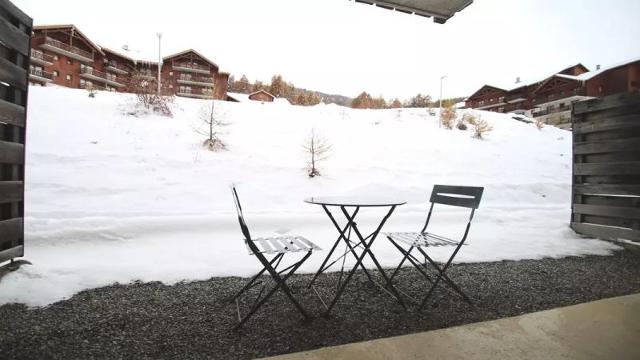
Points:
(349, 206)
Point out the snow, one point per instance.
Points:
(117, 198)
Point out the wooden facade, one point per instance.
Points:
(606, 167)
(261, 95)
(15, 28)
(63, 55)
(551, 99)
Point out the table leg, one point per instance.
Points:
(361, 257)
(375, 260)
(342, 236)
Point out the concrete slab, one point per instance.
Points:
(604, 329)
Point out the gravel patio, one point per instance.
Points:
(191, 320)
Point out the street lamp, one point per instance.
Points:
(159, 60)
(440, 112)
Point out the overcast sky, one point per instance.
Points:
(343, 47)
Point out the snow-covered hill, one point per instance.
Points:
(117, 198)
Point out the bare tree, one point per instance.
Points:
(145, 88)
(448, 116)
(214, 123)
(318, 149)
(481, 127)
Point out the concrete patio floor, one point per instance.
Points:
(603, 329)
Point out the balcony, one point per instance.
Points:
(40, 58)
(196, 95)
(95, 75)
(117, 68)
(40, 76)
(194, 68)
(67, 50)
(197, 81)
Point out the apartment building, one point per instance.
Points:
(63, 55)
(550, 100)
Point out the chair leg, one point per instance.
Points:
(280, 284)
(406, 254)
(441, 276)
(253, 279)
(446, 278)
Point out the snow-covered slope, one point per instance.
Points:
(117, 198)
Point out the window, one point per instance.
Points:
(185, 89)
(68, 77)
(170, 73)
(69, 62)
(55, 73)
(170, 86)
(501, 99)
(481, 102)
(55, 57)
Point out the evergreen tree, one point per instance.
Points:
(277, 87)
(243, 85)
(362, 101)
(396, 104)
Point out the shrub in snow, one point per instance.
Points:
(460, 125)
(318, 149)
(91, 90)
(480, 128)
(146, 90)
(539, 123)
(448, 116)
(214, 123)
(470, 119)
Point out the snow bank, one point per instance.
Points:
(115, 198)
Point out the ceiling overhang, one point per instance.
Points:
(440, 10)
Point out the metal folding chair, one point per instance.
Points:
(462, 196)
(276, 247)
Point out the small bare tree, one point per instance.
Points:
(448, 116)
(214, 123)
(91, 90)
(145, 87)
(480, 128)
(318, 149)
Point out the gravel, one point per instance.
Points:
(192, 320)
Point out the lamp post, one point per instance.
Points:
(440, 112)
(159, 61)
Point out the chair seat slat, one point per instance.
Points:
(422, 239)
(283, 244)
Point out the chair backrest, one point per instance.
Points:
(464, 196)
(243, 224)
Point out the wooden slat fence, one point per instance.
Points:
(15, 44)
(606, 167)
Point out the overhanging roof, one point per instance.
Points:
(440, 10)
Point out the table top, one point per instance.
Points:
(362, 201)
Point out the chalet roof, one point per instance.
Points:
(484, 87)
(263, 91)
(573, 67)
(107, 50)
(563, 76)
(69, 27)
(594, 73)
(194, 52)
(440, 10)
